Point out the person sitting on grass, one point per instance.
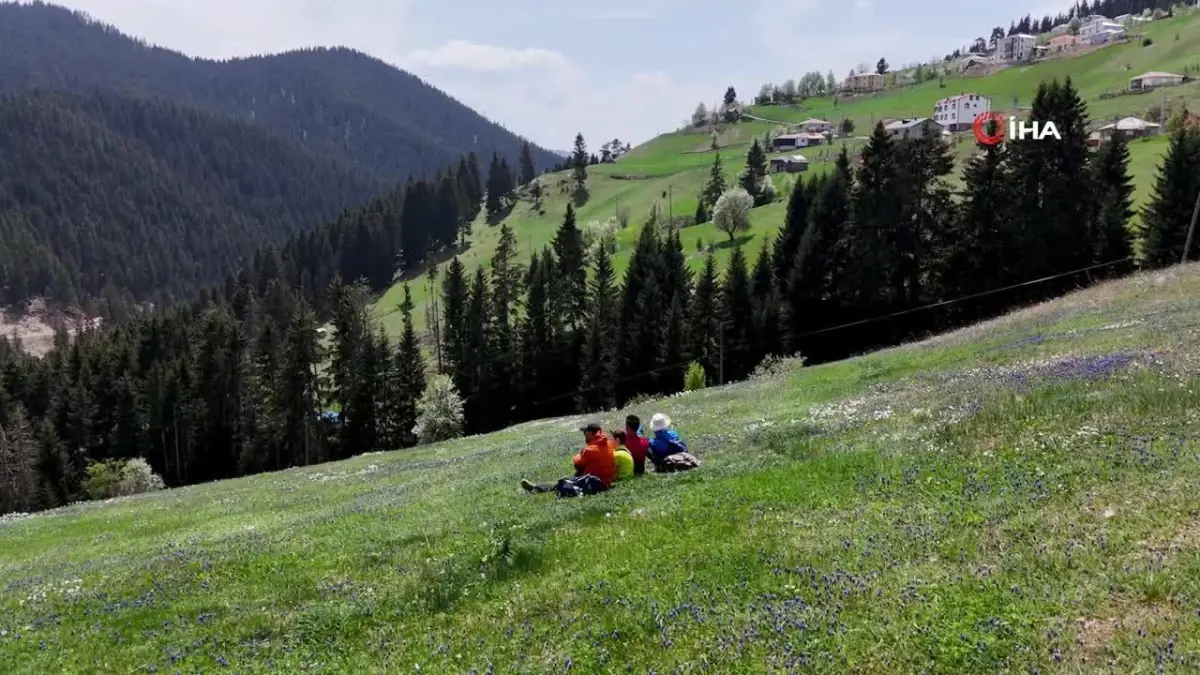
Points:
(637, 444)
(595, 467)
(668, 452)
(621, 456)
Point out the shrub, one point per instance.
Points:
(598, 234)
(1147, 42)
(120, 477)
(439, 412)
(774, 366)
(694, 379)
(767, 193)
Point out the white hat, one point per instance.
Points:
(659, 422)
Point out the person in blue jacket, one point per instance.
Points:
(664, 441)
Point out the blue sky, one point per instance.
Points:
(628, 69)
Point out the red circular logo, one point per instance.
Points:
(980, 127)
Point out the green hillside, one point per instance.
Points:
(677, 163)
(1018, 496)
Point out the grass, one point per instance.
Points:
(677, 163)
(1013, 496)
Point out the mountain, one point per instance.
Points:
(336, 102)
(142, 199)
(134, 172)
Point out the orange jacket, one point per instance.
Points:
(597, 459)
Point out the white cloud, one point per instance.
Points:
(225, 28)
(461, 54)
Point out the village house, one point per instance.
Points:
(1062, 43)
(799, 140)
(815, 126)
(864, 82)
(916, 128)
(1098, 30)
(1017, 47)
(793, 164)
(958, 113)
(1129, 127)
(1153, 80)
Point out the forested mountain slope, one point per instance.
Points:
(335, 101)
(110, 194)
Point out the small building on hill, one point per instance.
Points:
(1018, 47)
(815, 126)
(793, 164)
(1063, 43)
(913, 128)
(864, 82)
(1128, 127)
(793, 141)
(1153, 80)
(959, 112)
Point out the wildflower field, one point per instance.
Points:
(1020, 496)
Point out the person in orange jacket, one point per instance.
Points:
(595, 467)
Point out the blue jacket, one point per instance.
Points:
(666, 443)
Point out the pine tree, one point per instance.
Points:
(870, 286)
(640, 340)
(495, 187)
(409, 371)
(300, 392)
(506, 289)
(597, 388)
(752, 176)
(787, 243)
(1167, 217)
(1114, 207)
(764, 290)
(570, 273)
(476, 375)
(455, 298)
(737, 310)
(704, 320)
(528, 172)
(579, 162)
(354, 368)
(812, 300)
(18, 475)
(715, 186)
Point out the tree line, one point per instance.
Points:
(232, 383)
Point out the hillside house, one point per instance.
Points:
(793, 141)
(1018, 47)
(815, 126)
(1062, 43)
(1098, 30)
(1153, 80)
(916, 128)
(1128, 127)
(958, 113)
(864, 82)
(793, 164)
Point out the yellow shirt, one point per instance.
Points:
(624, 462)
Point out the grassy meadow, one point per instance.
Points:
(1017, 496)
(670, 170)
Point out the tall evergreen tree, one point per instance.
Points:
(1166, 218)
(704, 320)
(1114, 207)
(528, 172)
(300, 391)
(409, 371)
(715, 186)
(787, 243)
(598, 386)
(640, 340)
(18, 475)
(455, 298)
(579, 162)
(764, 290)
(752, 176)
(738, 313)
(495, 186)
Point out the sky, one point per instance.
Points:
(624, 69)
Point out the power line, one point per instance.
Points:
(883, 317)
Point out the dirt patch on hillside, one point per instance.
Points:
(34, 329)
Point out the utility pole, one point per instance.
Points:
(1187, 245)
